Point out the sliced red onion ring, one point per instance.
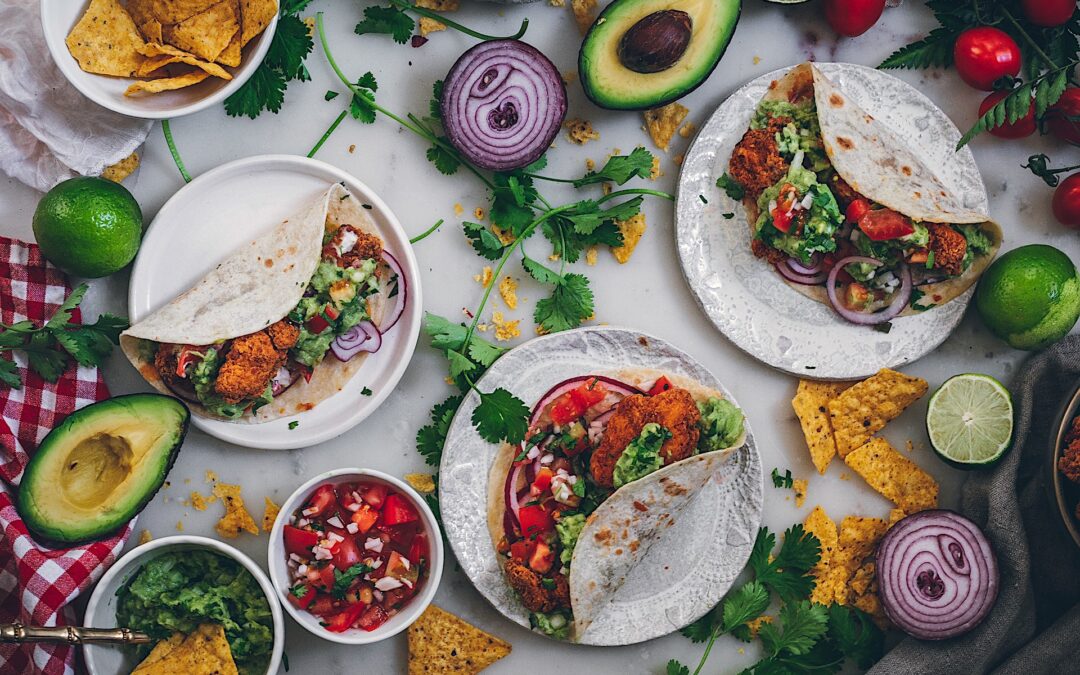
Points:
(503, 103)
(813, 279)
(402, 295)
(363, 337)
(510, 494)
(799, 268)
(867, 318)
(938, 575)
(573, 383)
(284, 379)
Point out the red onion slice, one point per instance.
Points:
(813, 279)
(503, 102)
(284, 379)
(938, 575)
(363, 337)
(510, 494)
(573, 383)
(403, 291)
(813, 268)
(867, 318)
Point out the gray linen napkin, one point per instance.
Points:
(1035, 624)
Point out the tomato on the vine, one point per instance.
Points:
(1063, 118)
(1048, 13)
(984, 55)
(1067, 202)
(852, 18)
(1021, 128)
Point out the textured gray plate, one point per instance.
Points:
(724, 516)
(748, 301)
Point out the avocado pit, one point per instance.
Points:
(94, 468)
(656, 42)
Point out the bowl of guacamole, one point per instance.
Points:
(174, 585)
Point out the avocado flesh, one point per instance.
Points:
(610, 84)
(101, 466)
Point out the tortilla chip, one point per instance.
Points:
(895, 516)
(811, 404)
(160, 651)
(865, 408)
(255, 16)
(428, 26)
(166, 83)
(871, 604)
(198, 502)
(662, 123)
(439, 5)
(204, 652)
(106, 40)
(236, 518)
(122, 169)
(799, 486)
(151, 30)
(423, 483)
(269, 514)
(231, 56)
(857, 540)
(821, 526)
(206, 34)
(580, 131)
(169, 11)
(584, 13)
(440, 642)
(508, 291)
(896, 477)
(163, 55)
(632, 229)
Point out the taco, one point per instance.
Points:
(281, 324)
(846, 211)
(611, 460)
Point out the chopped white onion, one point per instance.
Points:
(374, 544)
(335, 522)
(387, 584)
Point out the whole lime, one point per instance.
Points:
(1030, 297)
(88, 227)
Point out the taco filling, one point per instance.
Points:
(588, 437)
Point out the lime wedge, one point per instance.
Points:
(970, 420)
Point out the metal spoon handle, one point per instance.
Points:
(75, 635)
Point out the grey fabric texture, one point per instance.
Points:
(1034, 626)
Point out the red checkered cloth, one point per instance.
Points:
(36, 582)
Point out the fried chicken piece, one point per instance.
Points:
(349, 246)
(674, 409)
(756, 163)
(844, 193)
(529, 586)
(284, 335)
(1069, 463)
(251, 362)
(949, 248)
(763, 250)
(165, 361)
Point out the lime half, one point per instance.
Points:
(970, 420)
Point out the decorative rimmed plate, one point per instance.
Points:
(747, 300)
(727, 511)
(228, 206)
(1064, 494)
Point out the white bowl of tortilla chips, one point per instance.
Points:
(114, 659)
(158, 59)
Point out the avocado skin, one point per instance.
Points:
(612, 101)
(33, 481)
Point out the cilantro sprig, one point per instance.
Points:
(50, 348)
(395, 22)
(342, 580)
(283, 63)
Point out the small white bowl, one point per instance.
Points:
(58, 17)
(101, 610)
(279, 571)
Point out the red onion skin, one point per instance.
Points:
(864, 318)
(346, 346)
(938, 575)
(403, 291)
(790, 274)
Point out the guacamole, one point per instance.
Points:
(818, 232)
(721, 424)
(569, 529)
(203, 377)
(344, 288)
(642, 456)
(179, 590)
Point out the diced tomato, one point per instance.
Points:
(374, 495)
(588, 395)
(398, 567)
(185, 358)
(322, 498)
(418, 550)
(323, 605)
(346, 498)
(564, 410)
(782, 214)
(542, 558)
(542, 482)
(395, 598)
(856, 296)
(365, 518)
(307, 598)
(885, 224)
(305, 371)
(661, 385)
(519, 550)
(856, 210)
(344, 620)
(534, 520)
(398, 510)
(346, 552)
(372, 618)
(317, 324)
(331, 312)
(299, 541)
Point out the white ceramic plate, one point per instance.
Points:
(748, 301)
(227, 207)
(724, 515)
(58, 17)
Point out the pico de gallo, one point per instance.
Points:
(588, 437)
(357, 554)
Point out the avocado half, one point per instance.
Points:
(642, 54)
(101, 466)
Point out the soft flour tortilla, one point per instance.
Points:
(254, 287)
(881, 167)
(617, 536)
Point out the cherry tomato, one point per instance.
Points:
(985, 55)
(1021, 128)
(853, 17)
(1058, 117)
(1048, 13)
(856, 210)
(372, 618)
(343, 621)
(885, 224)
(1067, 202)
(324, 496)
(364, 518)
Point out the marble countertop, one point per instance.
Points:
(392, 162)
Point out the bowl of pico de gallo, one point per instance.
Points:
(355, 555)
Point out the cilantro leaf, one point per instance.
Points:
(444, 334)
(702, 629)
(293, 6)
(483, 352)
(431, 438)
(284, 61)
(483, 240)
(300, 591)
(62, 317)
(291, 44)
(731, 187)
(784, 481)
(9, 374)
(856, 635)
(512, 201)
(539, 272)
(15, 335)
(587, 215)
(330, 95)
(620, 168)
(445, 161)
(386, 21)
(43, 359)
(799, 626)
(745, 603)
(459, 363)
(501, 416)
(787, 573)
(570, 303)
(264, 90)
(342, 580)
(435, 105)
(361, 105)
(676, 668)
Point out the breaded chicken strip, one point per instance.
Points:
(284, 335)
(534, 596)
(349, 246)
(674, 409)
(949, 248)
(250, 364)
(1069, 462)
(756, 162)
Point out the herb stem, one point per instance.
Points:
(635, 191)
(175, 153)
(551, 178)
(329, 132)
(708, 648)
(424, 235)
(457, 26)
(1027, 38)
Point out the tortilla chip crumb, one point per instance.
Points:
(450, 380)
(554, 257)
(179, 526)
(440, 642)
(590, 256)
(122, 169)
(145, 537)
(687, 129)
(632, 229)
(423, 483)
(439, 5)
(799, 485)
(569, 76)
(590, 165)
(584, 13)
(352, 148)
(540, 330)
(896, 477)
(211, 477)
(895, 516)
(857, 541)
(662, 123)
(557, 3)
(757, 60)
(236, 518)
(270, 514)
(678, 159)
(458, 209)
(485, 277)
(198, 502)
(844, 475)
(508, 291)
(865, 408)
(506, 237)
(811, 404)
(580, 131)
(754, 626)
(655, 172)
(483, 328)
(428, 26)
(605, 188)
(821, 526)
(505, 329)
(478, 213)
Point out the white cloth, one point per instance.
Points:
(48, 130)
